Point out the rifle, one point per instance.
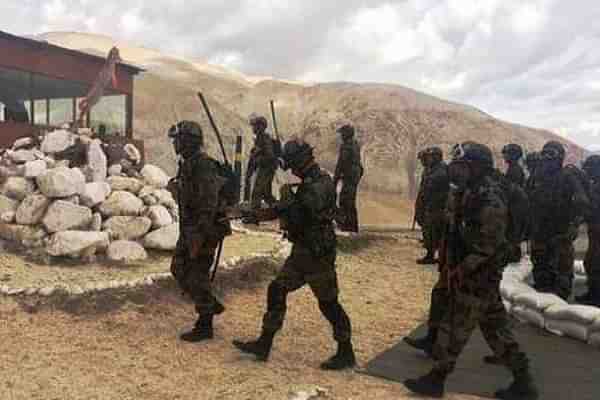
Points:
(274, 120)
(226, 161)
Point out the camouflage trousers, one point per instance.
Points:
(439, 302)
(302, 268)
(592, 261)
(433, 230)
(192, 275)
(553, 266)
(263, 187)
(349, 212)
(467, 310)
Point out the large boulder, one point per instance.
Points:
(159, 216)
(127, 228)
(25, 142)
(121, 203)
(76, 242)
(97, 161)
(163, 239)
(20, 233)
(32, 209)
(63, 216)
(95, 193)
(115, 170)
(96, 224)
(8, 217)
(61, 182)
(18, 188)
(57, 141)
(7, 204)
(165, 198)
(123, 183)
(155, 176)
(21, 156)
(126, 251)
(33, 169)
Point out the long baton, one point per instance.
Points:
(274, 119)
(217, 261)
(214, 126)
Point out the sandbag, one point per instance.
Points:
(509, 289)
(528, 315)
(568, 328)
(585, 315)
(538, 301)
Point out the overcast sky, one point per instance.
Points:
(534, 62)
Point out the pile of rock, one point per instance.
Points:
(79, 212)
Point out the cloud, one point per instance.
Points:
(532, 62)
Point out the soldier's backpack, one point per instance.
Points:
(230, 191)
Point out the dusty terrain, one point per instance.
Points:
(123, 345)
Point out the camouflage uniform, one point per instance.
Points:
(559, 200)
(349, 170)
(264, 159)
(308, 222)
(475, 286)
(419, 204)
(197, 188)
(435, 196)
(515, 174)
(592, 256)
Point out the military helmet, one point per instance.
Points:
(473, 153)
(186, 128)
(347, 131)
(296, 153)
(591, 165)
(553, 150)
(512, 152)
(256, 119)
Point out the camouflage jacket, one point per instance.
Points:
(515, 174)
(200, 204)
(419, 203)
(435, 188)
(558, 203)
(483, 233)
(593, 216)
(349, 167)
(309, 215)
(262, 154)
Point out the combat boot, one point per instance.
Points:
(202, 330)
(261, 347)
(522, 388)
(425, 343)
(344, 358)
(431, 385)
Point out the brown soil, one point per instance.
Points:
(123, 345)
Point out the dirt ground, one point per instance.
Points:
(123, 345)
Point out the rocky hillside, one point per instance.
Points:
(393, 121)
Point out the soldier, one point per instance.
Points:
(558, 201)
(264, 160)
(532, 160)
(435, 196)
(512, 154)
(419, 211)
(307, 219)
(591, 166)
(349, 170)
(197, 188)
(474, 267)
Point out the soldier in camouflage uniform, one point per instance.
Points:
(307, 219)
(435, 197)
(512, 154)
(474, 281)
(349, 170)
(264, 162)
(197, 188)
(419, 206)
(591, 166)
(559, 201)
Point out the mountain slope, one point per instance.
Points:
(393, 122)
